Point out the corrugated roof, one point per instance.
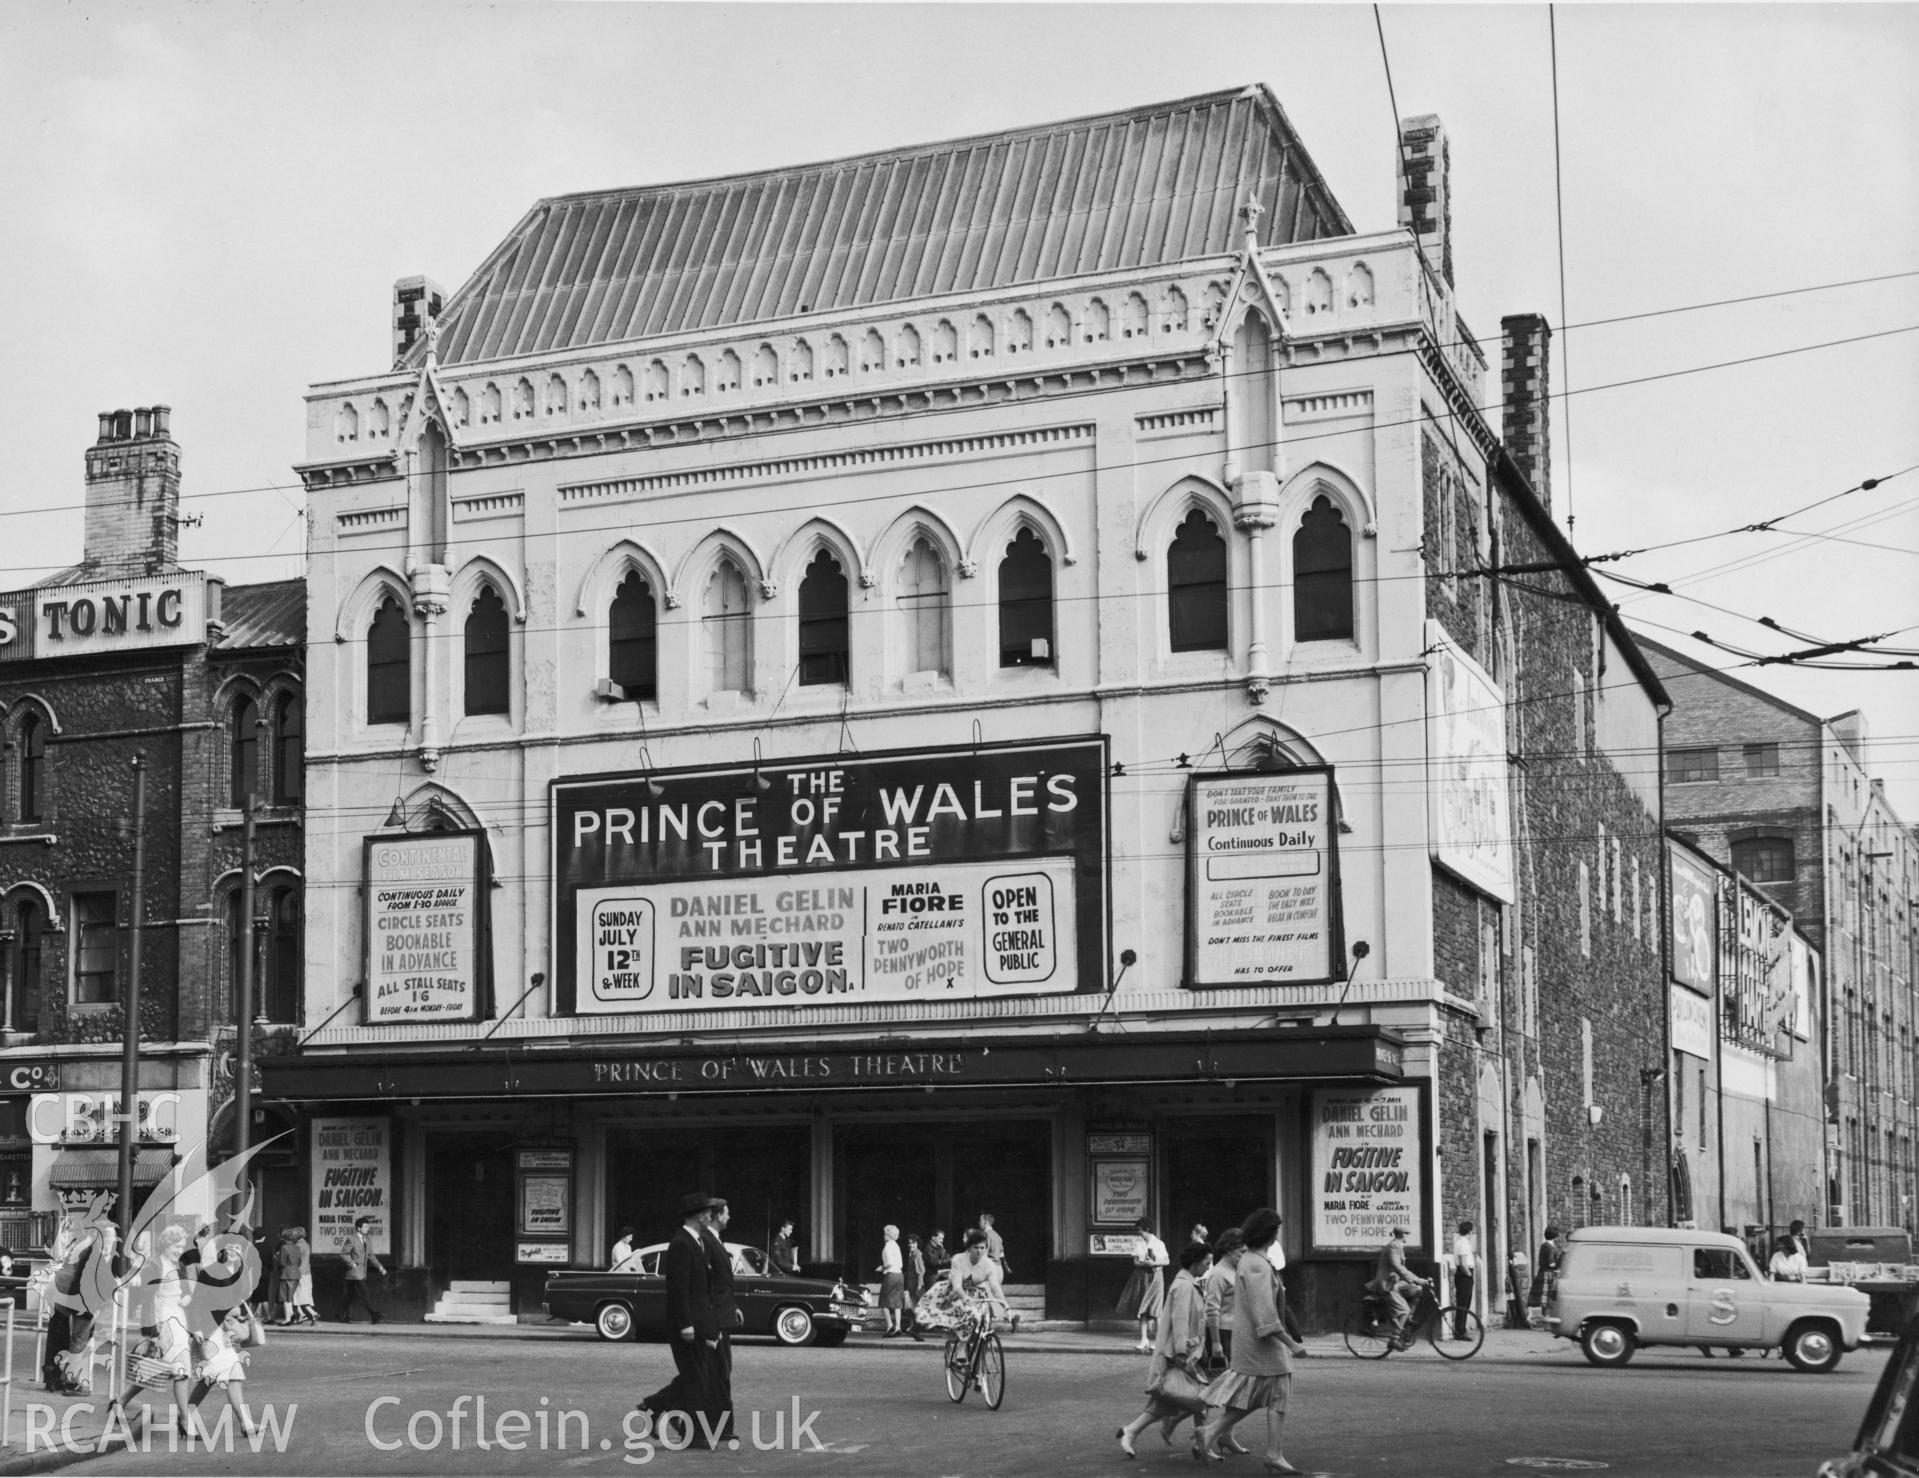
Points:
(270, 614)
(1134, 189)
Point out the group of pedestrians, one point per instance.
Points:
(291, 1292)
(917, 1282)
(1227, 1303)
(192, 1293)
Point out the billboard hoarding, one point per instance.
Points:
(1368, 1168)
(1262, 878)
(351, 1175)
(833, 881)
(1695, 925)
(1468, 804)
(426, 897)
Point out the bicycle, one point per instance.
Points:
(974, 1357)
(1369, 1334)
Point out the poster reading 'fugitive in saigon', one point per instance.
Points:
(833, 882)
(352, 1177)
(1368, 1168)
(1261, 865)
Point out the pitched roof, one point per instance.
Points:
(270, 614)
(1133, 189)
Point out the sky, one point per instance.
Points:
(210, 202)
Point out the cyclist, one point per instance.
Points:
(974, 1272)
(1393, 1280)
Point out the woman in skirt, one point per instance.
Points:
(303, 1310)
(1174, 1382)
(1145, 1290)
(223, 1366)
(163, 1361)
(892, 1271)
(1260, 1375)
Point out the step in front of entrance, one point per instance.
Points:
(475, 1302)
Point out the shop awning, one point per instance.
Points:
(102, 1168)
(1325, 1054)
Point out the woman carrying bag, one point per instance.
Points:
(1175, 1386)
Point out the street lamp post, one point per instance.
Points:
(130, 1042)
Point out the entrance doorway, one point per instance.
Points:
(470, 1206)
(763, 1172)
(920, 1177)
(1217, 1170)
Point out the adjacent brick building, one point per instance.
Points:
(126, 657)
(1784, 798)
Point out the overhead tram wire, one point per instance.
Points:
(1136, 463)
(1559, 328)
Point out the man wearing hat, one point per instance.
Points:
(693, 1329)
(727, 1316)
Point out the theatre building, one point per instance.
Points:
(904, 687)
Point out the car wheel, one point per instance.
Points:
(1606, 1344)
(1812, 1347)
(614, 1321)
(793, 1325)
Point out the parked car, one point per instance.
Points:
(1621, 1288)
(629, 1300)
(1888, 1442)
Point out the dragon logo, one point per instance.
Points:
(158, 1237)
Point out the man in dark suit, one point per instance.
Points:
(693, 1333)
(727, 1316)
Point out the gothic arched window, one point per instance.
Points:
(925, 617)
(243, 769)
(389, 665)
(486, 654)
(823, 622)
(1196, 586)
(1322, 575)
(633, 639)
(725, 620)
(1026, 603)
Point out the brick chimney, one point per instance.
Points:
(133, 495)
(1525, 381)
(416, 304)
(1425, 189)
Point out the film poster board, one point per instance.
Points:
(1469, 806)
(1368, 1168)
(832, 882)
(1695, 923)
(426, 898)
(351, 1175)
(544, 1193)
(1262, 878)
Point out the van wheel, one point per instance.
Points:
(1606, 1344)
(1812, 1347)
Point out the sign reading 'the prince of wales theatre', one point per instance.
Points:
(926, 874)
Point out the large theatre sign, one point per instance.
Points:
(924, 874)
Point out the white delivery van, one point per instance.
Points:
(1623, 1287)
